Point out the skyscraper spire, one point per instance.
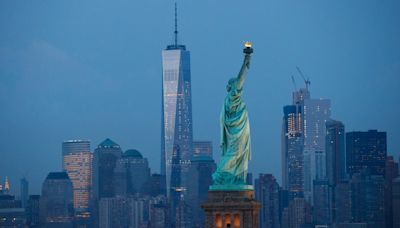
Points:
(176, 25)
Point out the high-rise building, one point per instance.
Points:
(104, 163)
(200, 172)
(32, 211)
(202, 148)
(24, 191)
(267, 193)
(132, 173)
(335, 166)
(77, 162)
(366, 150)
(104, 176)
(56, 202)
(335, 152)
(391, 172)
(303, 143)
(367, 195)
(176, 109)
(315, 113)
(292, 151)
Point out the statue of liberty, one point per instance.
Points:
(235, 133)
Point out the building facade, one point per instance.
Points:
(77, 162)
(56, 201)
(132, 174)
(176, 110)
(267, 193)
(366, 150)
(202, 148)
(200, 172)
(292, 151)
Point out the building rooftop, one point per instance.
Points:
(132, 153)
(108, 143)
(57, 176)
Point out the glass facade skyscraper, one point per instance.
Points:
(303, 143)
(366, 150)
(77, 162)
(176, 110)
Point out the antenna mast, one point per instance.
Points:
(176, 25)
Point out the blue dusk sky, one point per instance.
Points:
(92, 70)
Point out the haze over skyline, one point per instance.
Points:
(92, 70)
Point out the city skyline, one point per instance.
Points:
(62, 93)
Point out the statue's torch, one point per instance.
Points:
(247, 48)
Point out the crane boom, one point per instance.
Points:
(306, 81)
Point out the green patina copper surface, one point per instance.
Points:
(235, 137)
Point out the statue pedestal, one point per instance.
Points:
(236, 209)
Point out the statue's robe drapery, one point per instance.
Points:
(235, 138)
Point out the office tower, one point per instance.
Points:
(267, 193)
(335, 152)
(56, 202)
(200, 172)
(77, 162)
(32, 211)
(366, 150)
(391, 172)
(176, 109)
(202, 148)
(367, 194)
(335, 161)
(303, 143)
(132, 173)
(24, 191)
(315, 113)
(104, 163)
(396, 201)
(292, 151)
(322, 207)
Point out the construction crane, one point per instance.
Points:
(306, 81)
(294, 83)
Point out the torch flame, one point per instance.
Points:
(247, 44)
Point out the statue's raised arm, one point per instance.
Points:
(245, 66)
(243, 71)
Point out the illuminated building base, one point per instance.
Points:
(236, 209)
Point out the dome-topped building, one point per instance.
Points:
(132, 153)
